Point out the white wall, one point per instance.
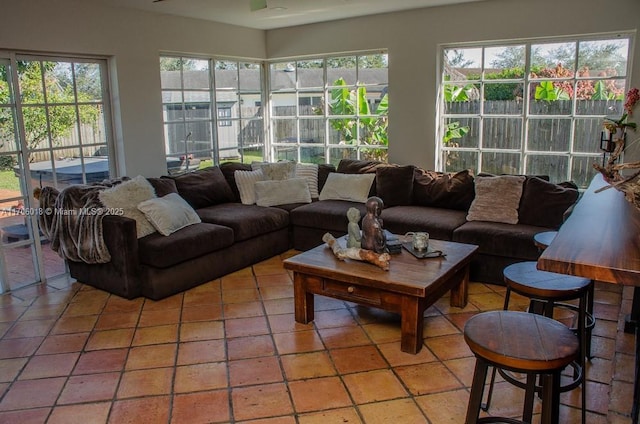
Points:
(133, 39)
(413, 37)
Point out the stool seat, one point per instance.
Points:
(526, 278)
(521, 341)
(543, 240)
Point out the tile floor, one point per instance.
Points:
(230, 351)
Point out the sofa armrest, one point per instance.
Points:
(120, 276)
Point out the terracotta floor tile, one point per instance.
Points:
(448, 347)
(342, 415)
(344, 337)
(151, 382)
(200, 352)
(357, 359)
(462, 368)
(209, 296)
(242, 327)
(154, 409)
(153, 356)
(116, 321)
(240, 295)
(155, 335)
(307, 365)
(201, 408)
(93, 413)
(63, 343)
(116, 304)
(31, 328)
(262, 370)
(18, 348)
(319, 393)
(276, 292)
(487, 301)
(10, 368)
(199, 377)
(396, 357)
(279, 306)
(89, 388)
(300, 341)
(280, 279)
(205, 330)
(242, 310)
(101, 361)
(374, 386)
(253, 402)
(250, 347)
(168, 303)
(438, 326)
(82, 308)
(383, 333)
(154, 317)
(201, 313)
(44, 366)
(27, 394)
(81, 324)
(624, 367)
(427, 378)
(29, 416)
(110, 339)
(393, 411)
(445, 408)
(286, 323)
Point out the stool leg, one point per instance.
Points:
(590, 294)
(477, 389)
(529, 395)
(583, 338)
(550, 398)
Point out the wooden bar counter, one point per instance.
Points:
(601, 240)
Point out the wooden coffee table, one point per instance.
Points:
(409, 287)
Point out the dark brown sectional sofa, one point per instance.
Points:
(233, 235)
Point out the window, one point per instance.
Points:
(326, 109)
(533, 107)
(194, 135)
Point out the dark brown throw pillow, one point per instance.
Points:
(324, 169)
(204, 187)
(544, 204)
(163, 186)
(443, 190)
(394, 185)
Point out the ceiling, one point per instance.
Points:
(279, 13)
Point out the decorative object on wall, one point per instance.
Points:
(613, 138)
(379, 259)
(353, 229)
(373, 236)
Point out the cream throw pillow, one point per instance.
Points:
(126, 196)
(497, 199)
(169, 214)
(245, 180)
(282, 192)
(309, 171)
(276, 170)
(351, 187)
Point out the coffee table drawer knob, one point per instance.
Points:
(351, 289)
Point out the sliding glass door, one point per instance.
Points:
(54, 131)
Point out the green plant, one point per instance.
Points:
(453, 130)
(546, 90)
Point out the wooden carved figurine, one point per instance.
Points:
(373, 237)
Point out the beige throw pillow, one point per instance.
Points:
(497, 199)
(282, 192)
(276, 170)
(351, 187)
(245, 180)
(126, 197)
(169, 214)
(309, 171)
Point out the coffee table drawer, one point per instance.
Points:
(351, 292)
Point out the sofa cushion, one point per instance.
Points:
(544, 203)
(327, 215)
(190, 242)
(276, 170)
(498, 239)
(204, 187)
(324, 169)
(228, 170)
(163, 186)
(353, 188)
(438, 222)
(282, 192)
(394, 185)
(355, 166)
(443, 190)
(125, 197)
(169, 213)
(497, 199)
(309, 171)
(246, 221)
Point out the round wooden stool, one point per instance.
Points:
(547, 291)
(525, 343)
(544, 239)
